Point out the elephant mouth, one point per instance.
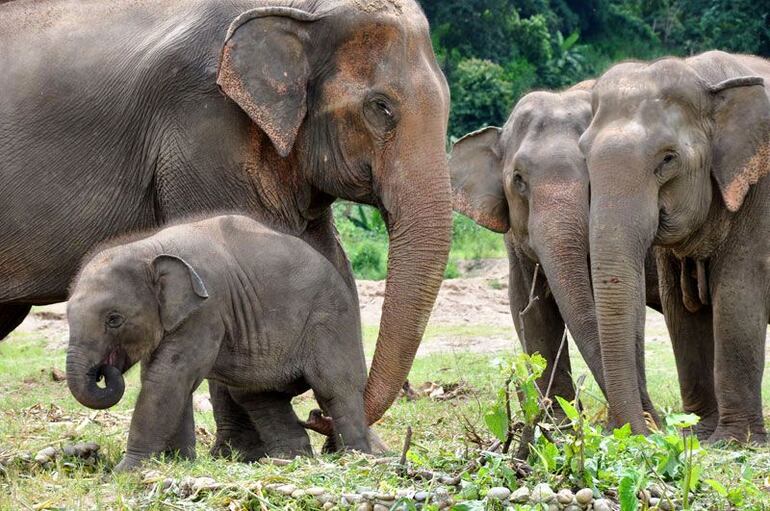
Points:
(117, 358)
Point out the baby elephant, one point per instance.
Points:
(227, 299)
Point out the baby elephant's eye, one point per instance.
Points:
(114, 320)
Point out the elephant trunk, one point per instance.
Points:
(419, 219)
(560, 235)
(618, 248)
(83, 374)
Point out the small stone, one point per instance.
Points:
(45, 455)
(286, 489)
(498, 493)
(364, 507)
(325, 498)
(202, 403)
(352, 498)
(554, 506)
(166, 484)
(573, 507)
(655, 491)
(205, 483)
(665, 505)
(380, 507)
(421, 496)
(58, 375)
(442, 498)
(298, 494)
(315, 491)
(602, 505)
(404, 494)
(565, 497)
(654, 501)
(520, 496)
(368, 494)
(584, 496)
(542, 494)
(328, 505)
(385, 496)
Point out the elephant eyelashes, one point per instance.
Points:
(667, 159)
(114, 320)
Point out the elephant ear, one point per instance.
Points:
(179, 289)
(741, 143)
(264, 68)
(476, 170)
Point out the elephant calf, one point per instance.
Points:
(227, 299)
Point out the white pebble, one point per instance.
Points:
(297, 494)
(602, 505)
(421, 496)
(315, 491)
(498, 493)
(286, 489)
(565, 497)
(328, 505)
(542, 493)
(584, 496)
(364, 507)
(520, 496)
(380, 507)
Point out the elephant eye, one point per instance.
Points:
(668, 158)
(380, 114)
(114, 320)
(519, 183)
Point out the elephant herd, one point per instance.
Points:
(646, 186)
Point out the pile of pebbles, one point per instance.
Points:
(87, 453)
(364, 499)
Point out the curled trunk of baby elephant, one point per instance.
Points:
(83, 379)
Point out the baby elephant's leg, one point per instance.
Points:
(183, 442)
(236, 435)
(276, 422)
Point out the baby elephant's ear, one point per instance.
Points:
(179, 289)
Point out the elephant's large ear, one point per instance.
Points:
(476, 169)
(741, 144)
(179, 289)
(264, 68)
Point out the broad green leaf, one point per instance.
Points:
(682, 420)
(569, 410)
(627, 493)
(622, 432)
(471, 505)
(717, 487)
(496, 420)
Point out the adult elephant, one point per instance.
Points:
(529, 180)
(121, 116)
(678, 152)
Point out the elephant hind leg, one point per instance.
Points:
(11, 316)
(236, 434)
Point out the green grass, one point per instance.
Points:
(36, 412)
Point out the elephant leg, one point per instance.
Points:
(236, 434)
(182, 444)
(274, 418)
(692, 339)
(11, 316)
(541, 328)
(740, 326)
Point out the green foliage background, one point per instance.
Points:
(495, 51)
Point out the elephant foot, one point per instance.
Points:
(707, 425)
(244, 446)
(742, 434)
(291, 448)
(128, 464)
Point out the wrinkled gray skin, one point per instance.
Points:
(529, 181)
(678, 154)
(121, 116)
(261, 313)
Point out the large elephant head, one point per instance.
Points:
(530, 181)
(351, 91)
(673, 150)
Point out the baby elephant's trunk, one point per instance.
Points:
(83, 374)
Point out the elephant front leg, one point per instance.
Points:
(692, 339)
(274, 418)
(162, 417)
(740, 326)
(236, 435)
(541, 327)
